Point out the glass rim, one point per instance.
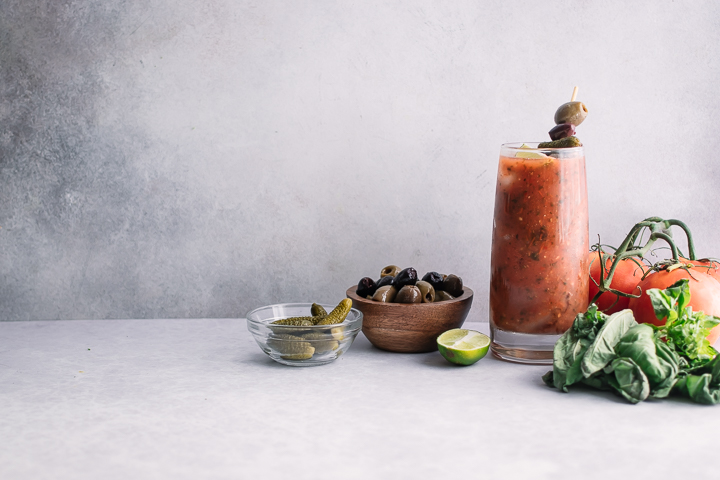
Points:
(516, 146)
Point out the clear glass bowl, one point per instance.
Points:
(302, 346)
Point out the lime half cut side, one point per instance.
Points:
(463, 347)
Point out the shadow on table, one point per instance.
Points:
(257, 359)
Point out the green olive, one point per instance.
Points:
(427, 291)
(442, 295)
(409, 294)
(571, 112)
(385, 294)
(389, 271)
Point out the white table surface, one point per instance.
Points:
(131, 399)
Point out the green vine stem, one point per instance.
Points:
(659, 230)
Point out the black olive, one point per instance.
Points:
(407, 276)
(366, 286)
(384, 281)
(433, 278)
(453, 285)
(561, 131)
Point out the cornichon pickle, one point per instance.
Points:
(338, 333)
(296, 321)
(291, 347)
(321, 343)
(566, 142)
(338, 314)
(318, 313)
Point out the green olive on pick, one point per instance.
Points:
(571, 112)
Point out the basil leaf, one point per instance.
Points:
(700, 388)
(671, 302)
(629, 379)
(672, 359)
(602, 350)
(570, 348)
(688, 335)
(658, 362)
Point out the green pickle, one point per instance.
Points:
(291, 347)
(303, 343)
(338, 314)
(317, 310)
(320, 342)
(566, 142)
(294, 321)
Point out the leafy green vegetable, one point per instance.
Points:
(658, 362)
(703, 385)
(570, 348)
(628, 379)
(684, 329)
(602, 350)
(642, 361)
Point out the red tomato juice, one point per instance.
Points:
(539, 262)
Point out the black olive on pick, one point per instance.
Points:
(563, 130)
(366, 286)
(407, 276)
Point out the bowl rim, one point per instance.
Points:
(467, 293)
(347, 322)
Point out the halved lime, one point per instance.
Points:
(529, 154)
(463, 347)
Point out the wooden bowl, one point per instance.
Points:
(410, 327)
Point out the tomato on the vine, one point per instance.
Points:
(704, 295)
(705, 265)
(625, 279)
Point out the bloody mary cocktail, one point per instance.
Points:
(539, 262)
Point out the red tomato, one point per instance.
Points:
(711, 267)
(626, 277)
(704, 295)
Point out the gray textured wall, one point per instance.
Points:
(201, 158)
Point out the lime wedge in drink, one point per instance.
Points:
(529, 154)
(463, 347)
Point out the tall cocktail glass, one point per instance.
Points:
(539, 261)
